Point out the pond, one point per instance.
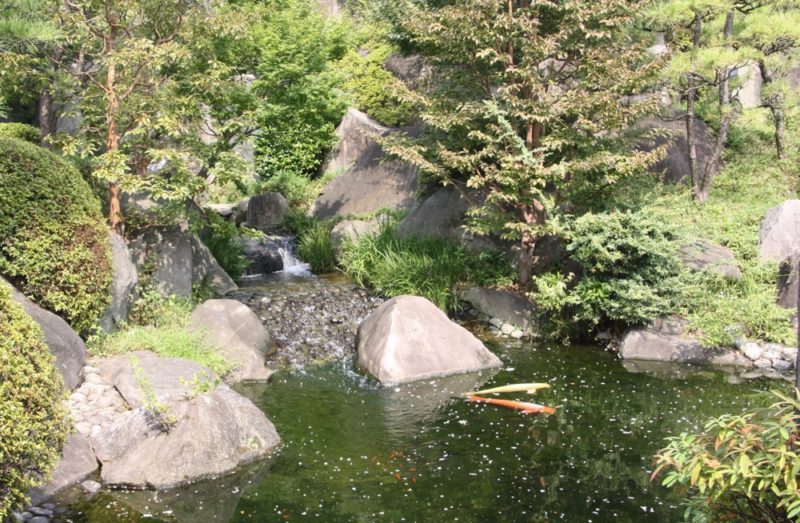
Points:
(356, 452)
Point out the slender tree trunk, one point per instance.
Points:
(112, 136)
(691, 96)
(775, 105)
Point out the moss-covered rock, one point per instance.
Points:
(32, 418)
(21, 131)
(53, 241)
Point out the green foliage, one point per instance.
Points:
(20, 131)
(741, 468)
(630, 274)
(53, 242)
(159, 411)
(221, 238)
(314, 247)
(434, 268)
(302, 105)
(159, 325)
(373, 88)
(33, 425)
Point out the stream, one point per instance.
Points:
(356, 452)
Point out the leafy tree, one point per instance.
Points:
(531, 107)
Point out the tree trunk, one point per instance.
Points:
(530, 214)
(691, 96)
(112, 136)
(775, 105)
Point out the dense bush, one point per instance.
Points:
(741, 468)
(424, 266)
(20, 131)
(371, 87)
(53, 241)
(221, 238)
(629, 276)
(32, 426)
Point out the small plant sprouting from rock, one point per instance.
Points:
(157, 411)
(200, 384)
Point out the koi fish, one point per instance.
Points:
(526, 408)
(530, 388)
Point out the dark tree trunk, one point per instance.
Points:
(691, 96)
(775, 105)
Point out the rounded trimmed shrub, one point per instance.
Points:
(21, 131)
(33, 424)
(53, 241)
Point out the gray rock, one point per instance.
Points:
(263, 255)
(672, 324)
(779, 235)
(350, 230)
(77, 462)
(644, 344)
(412, 70)
(700, 255)
(443, 214)
(213, 434)
(64, 343)
(787, 282)
(789, 353)
(92, 487)
(373, 181)
(39, 519)
(226, 210)
(265, 212)
(123, 287)
(408, 338)
(752, 350)
(205, 268)
(763, 363)
(168, 378)
(782, 365)
(239, 336)
(675, 165)
(510, 308)
(170, 248)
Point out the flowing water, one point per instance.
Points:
(356, 452)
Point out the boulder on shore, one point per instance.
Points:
(508, 307)
(65, 345)
(123, 286)
(265, 212)
(700, 255)
(779, 235)
(408, 338)
(179, 430)
(238, 334)
(77, 463)
(371, 181)
(653, 345)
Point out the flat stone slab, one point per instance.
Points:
(644, 344)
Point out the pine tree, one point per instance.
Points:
(531, 107)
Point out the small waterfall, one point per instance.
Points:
(291, 263)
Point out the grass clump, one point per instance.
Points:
(33, 424)
(434, 268)
(160, 325)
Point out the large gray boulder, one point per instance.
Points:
(788, 281)
(64, 343)
(412, 70)
(212, 434)
(77, 463)
(354, 135)
(123, 287)
(263, 255)
(237, 333)
(700, 255)
(408, 338)
(654, 345)
(779, 235)
(206, 269)
(170, 380)
(265, 211)
(351, 230)
(374, 181)
(511, 308)
(675, 165)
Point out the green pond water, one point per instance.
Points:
(353, 451)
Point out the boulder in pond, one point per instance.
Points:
(653, 345)
(65, 345)
(701, 255)
(779, 234)
(123, 286)
(239, 336)
(265, 211)
(212, 434)
(77, 463)
(408, 338)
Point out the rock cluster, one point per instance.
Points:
(507, 315)
(767, 356)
